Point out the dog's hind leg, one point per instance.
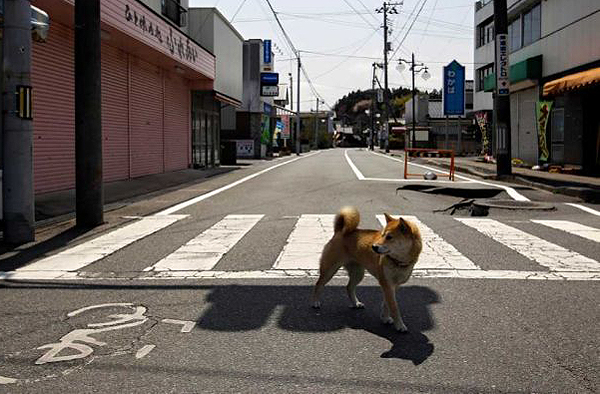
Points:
(328, 266)
(356, 274)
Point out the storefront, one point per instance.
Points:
(149, 69)
(573, 130)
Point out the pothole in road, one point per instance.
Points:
(473, 207)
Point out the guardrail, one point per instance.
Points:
(421, 152)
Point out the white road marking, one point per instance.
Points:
(204, 251)
(547, 254)
(509, 190)
(313, 273)
(5, 380)
(584, 208)
(144, 351)
(591, 233)
(187, 325)
(205, 196)
(357, 172)
(98, 248)
(436, 253)
(305, 243)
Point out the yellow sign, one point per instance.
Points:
(24, 109)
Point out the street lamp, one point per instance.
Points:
(414, 68)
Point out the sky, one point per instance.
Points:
(339, 40)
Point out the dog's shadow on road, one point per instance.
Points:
(245, 308)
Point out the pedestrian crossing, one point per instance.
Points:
(299, 255)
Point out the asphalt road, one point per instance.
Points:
(121, 323)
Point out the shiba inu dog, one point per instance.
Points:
(389, 255)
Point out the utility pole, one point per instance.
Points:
(317, 124)
(371, 144)
(501, 96)
(17, 125)
(387, 8)
(291, 92)
(89, 190)
(298, 146)
(414, 103)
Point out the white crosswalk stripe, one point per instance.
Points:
(304, 245)
(545, 253)
(436, 253)
(299, 256)
(86, 253)
(205, 251)
(591, 233)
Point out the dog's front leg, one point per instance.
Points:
(385, 313)
(389, 295)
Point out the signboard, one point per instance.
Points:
(285, 130)
(245, 148)
(454, 89)
(543, 114)
(269, 78)
(502, 82)
(269, 91)
(380, 95)
(267, 55)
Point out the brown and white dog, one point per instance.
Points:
(389, 255)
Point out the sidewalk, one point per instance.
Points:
(585, 187)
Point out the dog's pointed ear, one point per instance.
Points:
(388, 218)
(403, 225)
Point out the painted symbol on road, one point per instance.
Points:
(78, 344)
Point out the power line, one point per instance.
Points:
(236, 11)
(409, 28)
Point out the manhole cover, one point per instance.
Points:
(513, 204)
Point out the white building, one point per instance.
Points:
(554, 56)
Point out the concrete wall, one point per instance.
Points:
(210, 28)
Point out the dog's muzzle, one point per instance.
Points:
(379, 249)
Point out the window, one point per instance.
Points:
(485, 32)
(514, 35)
(482, 73)
(532, 24)
(173, 10)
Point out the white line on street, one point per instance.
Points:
(313, 273)
(591, 233)
(144, 351)
(545, 253)
(204, 251)
(98, 248)
(5, 380)
(205, 196)
(436, 253)
(304, 245)
(186, 325)
(584, 208)
(509, 190)
(357, 172)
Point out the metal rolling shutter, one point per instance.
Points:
(53, 80)
(115, 112)
(146, 118)
(177, 123)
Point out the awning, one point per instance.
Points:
(573, 81)
(228, 100)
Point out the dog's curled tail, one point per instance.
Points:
(346, 220)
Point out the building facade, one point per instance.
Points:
(256, 118)
(149, 68)
(215, 115)
(554, 75)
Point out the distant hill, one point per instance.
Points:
(351, 108)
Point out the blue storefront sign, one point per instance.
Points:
(267, 51)
(269, 79)
(267, 108)
(454, 89)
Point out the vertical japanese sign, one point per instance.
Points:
(542, 114)
(285, 131)
(454, 89)
(502, 82)
(267, 56)
(484, 127)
